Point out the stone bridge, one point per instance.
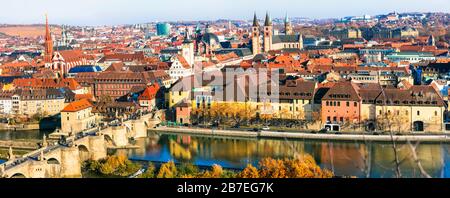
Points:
(65, 160)
(118, 135)
(55, 161)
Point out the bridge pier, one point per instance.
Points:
(37, 169)
(70, 162)
(139, 128)
(119, 136)
(97, 147)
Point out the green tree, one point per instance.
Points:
(150, 172)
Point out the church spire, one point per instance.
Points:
(268, 22)
(286, 18)
(48, 41)
(47, 29)
(255, 21)
(287, 25)
(187, 35)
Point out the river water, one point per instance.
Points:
(23, 135)
(372, 159)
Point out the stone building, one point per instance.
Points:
(270, 41)
(77, 117)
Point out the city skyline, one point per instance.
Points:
(138, 11)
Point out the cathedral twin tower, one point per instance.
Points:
(273, 42)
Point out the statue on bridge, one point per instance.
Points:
(11, 155)
(44, 141)
(41, 156)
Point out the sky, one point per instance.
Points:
(114, 12)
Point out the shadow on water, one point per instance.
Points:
(50, 123)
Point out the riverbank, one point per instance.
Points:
(19, 127)
(307, 135)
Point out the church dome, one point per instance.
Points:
(210, 38)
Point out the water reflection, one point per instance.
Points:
(23, 135)
(344, 158)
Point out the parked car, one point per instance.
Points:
(266, 128)
(332, 127)
(255, 130)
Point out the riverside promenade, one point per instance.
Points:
(422, 137)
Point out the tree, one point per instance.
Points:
(150, 172)
(216, 172)
(167, 170)
(105, 99)
(272, 168)
(188, 171)
(117, 165)
(249, 172)
(303, 166)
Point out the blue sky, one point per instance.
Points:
(108, 12)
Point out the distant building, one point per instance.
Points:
(274, 42)
(46, 102)
(163, 29)
(411, 57)
(346, 33)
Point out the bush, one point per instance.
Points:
(150, 172)
(167, 170)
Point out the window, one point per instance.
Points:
(341, 119)
(327, 103)
(418, 113)
(328, 118)
(348, 104)
(355, 104)
(435, 113)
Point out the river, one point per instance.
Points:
(348, 158)
(372, 159)
(24, 135)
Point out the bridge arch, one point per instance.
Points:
(53, 161)
(418, 126)
(18, 175)
(83, 152)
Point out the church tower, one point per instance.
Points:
(48, 44)
(256, 43)
(287, 26)
(188, 48)
(300, 42)
(268, 33)
(431, 41)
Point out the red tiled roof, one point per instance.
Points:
(77, 106)
(149, 92)
(183, 61)
(46, 83)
